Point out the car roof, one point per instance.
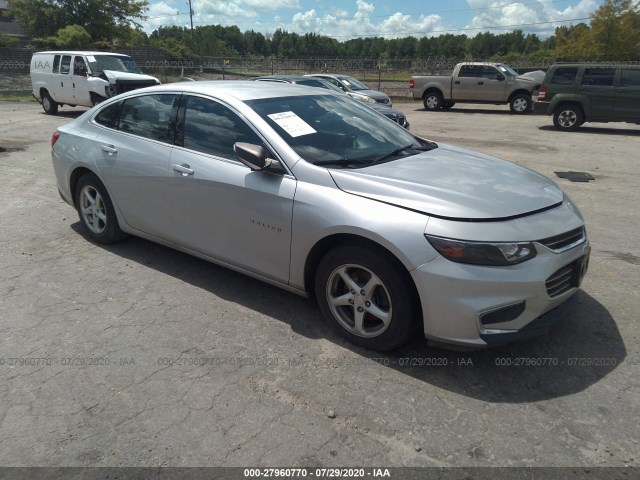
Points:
(288, 78)
(79, 52)
(241, 90)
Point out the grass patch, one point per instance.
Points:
(16, 97)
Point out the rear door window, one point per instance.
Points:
(108, 116)
(56, 64)
(148, 116)
(65, 64)
(599, 76)
(468, 71)
(630, 78)
(564, 76)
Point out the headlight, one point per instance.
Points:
(367, 99)
(483, 253)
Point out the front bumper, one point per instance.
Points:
(479, 306)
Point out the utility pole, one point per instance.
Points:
(193, 39)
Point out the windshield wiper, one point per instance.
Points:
(342, 162)
(398, 151)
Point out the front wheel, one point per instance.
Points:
(520, 103)
(366, 297)
(97, 216)
(568, 117)
(50, 107)
(433, 101)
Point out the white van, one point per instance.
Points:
(83, 78)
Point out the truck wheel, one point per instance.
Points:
(50, 107)
(568, 117)
(520, 103)
(448, 105)
(433, 101)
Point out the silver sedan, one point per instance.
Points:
(312, 192)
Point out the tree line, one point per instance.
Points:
(613, 34)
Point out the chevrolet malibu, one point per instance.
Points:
(309, 191)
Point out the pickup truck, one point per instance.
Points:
(477, 82)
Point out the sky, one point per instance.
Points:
(346, 19)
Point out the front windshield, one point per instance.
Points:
(353, 83)
(508, 71)
(336, 131)
(117, 63)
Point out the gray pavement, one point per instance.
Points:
(137, 355)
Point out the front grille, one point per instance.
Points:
(128, 85)
(559, 242)
(567, 278)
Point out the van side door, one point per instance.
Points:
(79, 87)
(626, 106)
(63, 83)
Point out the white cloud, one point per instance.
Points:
(493, 13)
(212, 12)
(341, 26)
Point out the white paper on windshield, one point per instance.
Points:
(91, 58)
(292, 124)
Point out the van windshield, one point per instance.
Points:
(117, 63)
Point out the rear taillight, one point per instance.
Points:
(411, 83)
(542, 93)
(54, 138)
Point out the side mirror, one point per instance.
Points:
(255, 157)
(500, 77)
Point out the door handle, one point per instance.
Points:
(457, 82)
(183, 169)
(109, 149)
(480, 83)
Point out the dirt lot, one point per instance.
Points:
(137, 355)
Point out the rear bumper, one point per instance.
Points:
(541, 108)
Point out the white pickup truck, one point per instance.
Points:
(477, 82)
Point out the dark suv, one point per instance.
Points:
(578, 93)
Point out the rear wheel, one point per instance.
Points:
(433, 101)
(97, 216)
(50, 107)
(568, 117)
(366, 297)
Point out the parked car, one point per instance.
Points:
(77, 78)
(319, 195)
(477, 82)
(389, 112)
(355, 88)
(578, 93)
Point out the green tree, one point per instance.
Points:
(615, 30)
(103, 19)
(72, 37)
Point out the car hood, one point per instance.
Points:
(113, 76)
(375, 94)
(453, 183)
(536, 76)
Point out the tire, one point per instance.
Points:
(96, 99)
(50, 107)
(568, 117)
(520, 104)
(433, 101)
(97, 216)
(383, 298)
(448, 105)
